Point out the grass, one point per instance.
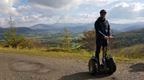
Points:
(133, 52)
(82, 55)
(43, 52)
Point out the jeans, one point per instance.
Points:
(101, 43)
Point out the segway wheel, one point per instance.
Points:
(93, 67)
(111, 65)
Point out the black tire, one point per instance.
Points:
(111, 66)
(93, 67)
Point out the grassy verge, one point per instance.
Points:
(83, 55)
(132, 52)
(43, 52)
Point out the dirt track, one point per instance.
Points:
(20, 67)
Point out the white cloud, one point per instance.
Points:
(67, 4)
(23, 8)
(122, 4)
(56, 4)
(138, 6)
(126, 10)
(7, 7)
(3, 22)
(98, 2)
(125, 21)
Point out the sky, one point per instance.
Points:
(30, 12)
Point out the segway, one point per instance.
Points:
(108, 65)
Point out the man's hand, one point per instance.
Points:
(111, 37)
(108, 37)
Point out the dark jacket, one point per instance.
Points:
(102, 28)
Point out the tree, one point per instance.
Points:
(88, 40)
(67, 39)
(11, 38)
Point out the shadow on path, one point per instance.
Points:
(83, 76)
(139, 67)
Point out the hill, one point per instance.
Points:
(127, 27)
(134, 52)
(20, 30)
(80, 27)
(126, 39)
(57, 28)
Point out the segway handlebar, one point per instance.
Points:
(110, 37)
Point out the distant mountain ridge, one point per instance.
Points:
(79, 27)
(88, 26)
(56, 28)
(128, 26)
(42, 29)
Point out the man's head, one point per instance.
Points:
(103, 13)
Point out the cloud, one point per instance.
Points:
(83, 11)
(30, 12)
(57, 4)
(68, 4)
(7, 7)
(98, 2)
(124, 10)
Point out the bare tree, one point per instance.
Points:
(67, 39)
(88, 40)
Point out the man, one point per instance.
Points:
(102, 29)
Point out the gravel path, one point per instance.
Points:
(21, 67)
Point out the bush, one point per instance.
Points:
(88, 41)
(12, 40)
(29, 44)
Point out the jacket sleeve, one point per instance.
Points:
(109, 30)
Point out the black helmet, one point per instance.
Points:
(103, 11)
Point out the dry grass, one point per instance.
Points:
(83, 55)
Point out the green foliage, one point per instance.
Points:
(127, 39)
(12, 39)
